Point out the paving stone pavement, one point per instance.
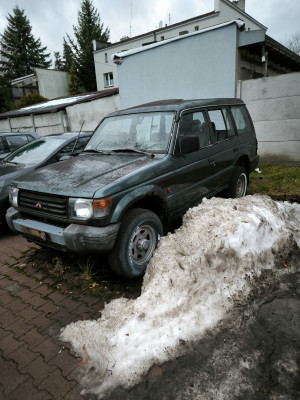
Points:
(34, 363)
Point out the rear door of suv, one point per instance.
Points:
(225, 144)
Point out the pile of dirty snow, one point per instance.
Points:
(187, 289)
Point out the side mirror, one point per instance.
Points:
(189, 144)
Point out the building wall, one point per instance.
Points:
(66, 120)
(52, 83)
(274, 105)
(225, 11)
(196, 66)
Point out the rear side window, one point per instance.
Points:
(241, 119)
(221, 124)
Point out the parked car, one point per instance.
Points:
(34, 155)
(140, 171)
(11, 141)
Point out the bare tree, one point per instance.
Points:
(294, 43)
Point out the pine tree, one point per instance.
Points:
(58, 63)
(89, 28)
(73, 85)
(5, 95)
(20, 51)
(68, 56)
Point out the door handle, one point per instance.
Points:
(211, 161)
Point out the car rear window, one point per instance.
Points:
(241, 119)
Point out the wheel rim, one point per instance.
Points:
(142, 244)
(241, 186)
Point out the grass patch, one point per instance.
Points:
(275, 180)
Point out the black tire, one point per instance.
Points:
(137, 239)
(238, 184)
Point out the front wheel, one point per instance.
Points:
(137, 239)
(238, 184)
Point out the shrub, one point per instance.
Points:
(30, 99)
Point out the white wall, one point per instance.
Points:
(52, 83)
(195, 66)
(274, 105)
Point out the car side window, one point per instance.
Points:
(1, 146)
(193, 133)
(221, 124)
(16, 141)
(30, 138)
(241, 119)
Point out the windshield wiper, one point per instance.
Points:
(10, 163)
(96, 151)
(151, 155)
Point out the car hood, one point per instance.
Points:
(8, 172)
(85, 175)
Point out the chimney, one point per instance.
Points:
(240, 4)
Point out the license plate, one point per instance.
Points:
(34, 232)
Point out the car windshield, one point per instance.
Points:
(35, 152)
(133, 132)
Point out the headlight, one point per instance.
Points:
(80, 208)
(84, 209)
(13, 196)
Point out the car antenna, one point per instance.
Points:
(77, 137)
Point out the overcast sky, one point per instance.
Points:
(51, 20)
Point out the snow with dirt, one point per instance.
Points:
(187, 289)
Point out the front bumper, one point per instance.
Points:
(81, 239)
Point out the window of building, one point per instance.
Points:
(108, 79)
(105, 55)
(183, 33)
(162, 38)
(197, 28)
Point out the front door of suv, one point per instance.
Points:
(195, 170)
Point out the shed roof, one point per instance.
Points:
(59, 104)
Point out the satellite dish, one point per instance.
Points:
(160, 24)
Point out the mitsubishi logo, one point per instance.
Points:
(38, 205)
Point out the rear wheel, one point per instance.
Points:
(238, 184)
(137, 239)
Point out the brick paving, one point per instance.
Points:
(34, 363)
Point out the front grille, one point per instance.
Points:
(44, 204)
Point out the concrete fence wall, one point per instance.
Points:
(274, 105)
(69, 119)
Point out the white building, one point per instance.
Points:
(224, 11)
(49, 83)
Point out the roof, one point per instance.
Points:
(278, 53)
(117, 57)
(59, 104)
(156, 31)
(177, 105)
(18, 133)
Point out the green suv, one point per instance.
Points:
(141, 170)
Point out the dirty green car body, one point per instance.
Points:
(121, 200)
